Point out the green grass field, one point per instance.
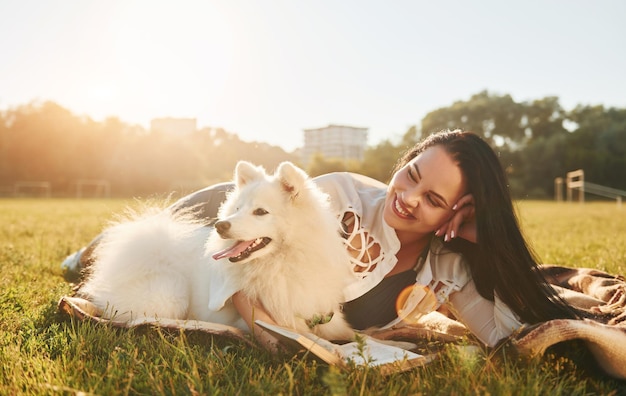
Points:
(44, 352)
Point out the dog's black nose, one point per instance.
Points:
(222, 226)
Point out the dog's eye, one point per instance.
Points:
(260, 212)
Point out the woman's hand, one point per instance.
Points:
(250, 312)
(462, 224)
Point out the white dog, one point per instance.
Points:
(276, 240)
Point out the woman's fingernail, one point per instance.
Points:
(446, 239)
(437, 232)
(451, 234)
(454, 207)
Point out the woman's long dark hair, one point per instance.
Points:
(501, 261)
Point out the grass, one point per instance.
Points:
(43, 352)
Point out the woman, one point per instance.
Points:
(446, 221)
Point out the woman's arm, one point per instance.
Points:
(250, 312)
(489, 321)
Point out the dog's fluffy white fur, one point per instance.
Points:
(161, 264)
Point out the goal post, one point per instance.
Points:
(575, 183)
(558, 189)
(97, 188)
(575, 180)
(32, 188)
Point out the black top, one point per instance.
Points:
(377, 307)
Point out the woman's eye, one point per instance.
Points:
(433, 202)
(260, 212)
(410, 174)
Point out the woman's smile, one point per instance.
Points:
(400, 210)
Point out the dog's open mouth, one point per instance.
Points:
(242, 249)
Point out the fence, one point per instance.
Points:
(576, 185)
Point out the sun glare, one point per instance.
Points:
(415, 301)
(101, 93)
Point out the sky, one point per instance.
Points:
(267, 70)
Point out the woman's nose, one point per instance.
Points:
(411, 198)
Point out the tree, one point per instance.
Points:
(42, 141)
(544, 118)
(411, 137)
(379, 160)
(598, 144)
(498, 119)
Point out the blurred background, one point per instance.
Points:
(135, 98)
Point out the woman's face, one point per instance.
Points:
(421, 195)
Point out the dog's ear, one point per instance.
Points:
(245, 172)
(292, 179)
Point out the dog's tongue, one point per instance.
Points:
(233, 251)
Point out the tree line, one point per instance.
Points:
(536, 141)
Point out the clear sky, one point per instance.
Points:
(266, 70)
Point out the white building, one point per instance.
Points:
(173, 126)
(335, 141)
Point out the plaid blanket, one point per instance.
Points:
(597, 292)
